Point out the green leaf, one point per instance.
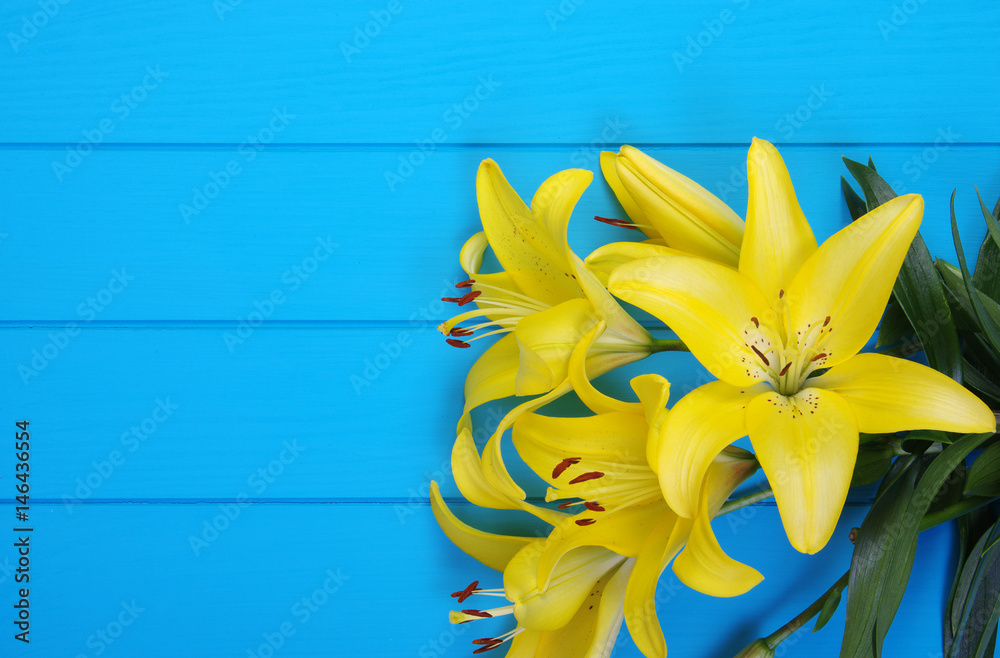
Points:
(980, 382)
(874, 460)
(957, 291)
(855, 204)
(986, 323)
(826, 612)
(986, 278)
(918, 289)
(873, 186)
(887, 542)
(896, 332)
(977, 606)
(984, 475)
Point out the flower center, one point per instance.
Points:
(499, 307)
(785, 362)
(603, 487)
(465, 616)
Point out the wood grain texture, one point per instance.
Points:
(172, 171)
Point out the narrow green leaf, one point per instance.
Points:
(873, 186)
(896, 332)
(829, 607)
(874, 460)
(963, 311)
(982, 384)
(887, 541)
(991, 222)
(986, 278)
(989, 328)
(974, 615)
(984, 475)
(855, 204)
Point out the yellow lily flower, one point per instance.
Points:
(670, 207)
(600, 463)
(544, 298)
(769, 330)
(580, 611)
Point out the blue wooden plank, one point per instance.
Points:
(321, 231)
(710, 72)
(124, 580)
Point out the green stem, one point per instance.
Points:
(740, 503)
(669, 345)
(782, 634)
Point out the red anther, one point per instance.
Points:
(476, 613)
(469, 296)
(593, 507)
(826, 321)
(565, 505)
(785, 369)
(467, 592)
(489, 647)
(456, 343)
(620, 223)
(761, 355)
(465, 284)
(756, 322)
(459, 331)
(451, 300)
(563, 465)
(781, 293)
(819, 356)
(592, 475)
(486, 640)
(586, 521)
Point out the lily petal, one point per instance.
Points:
(495, 551)
(700, 425)
(574, 579)
(654, 392)
(891, 395)
(492, 376)
(778, 238)
(535, 259)
(807, 445)
(711, 308)
(661, 546)
(577, 372)
(705, 567)
(545, 341)
(555, 199)
(685, 214)
(544, 441)
(603, 260)
(593, 630)
(847, 282)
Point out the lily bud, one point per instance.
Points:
(671, 206)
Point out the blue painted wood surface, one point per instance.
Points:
(171, 169)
